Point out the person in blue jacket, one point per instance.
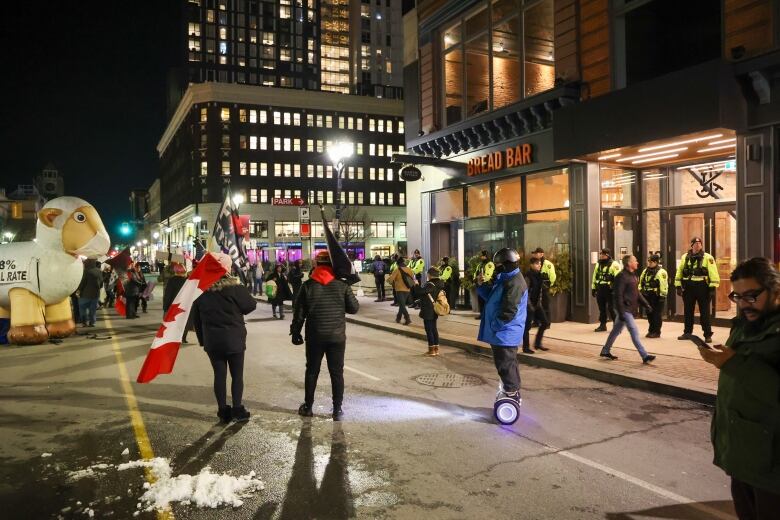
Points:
(503, 322)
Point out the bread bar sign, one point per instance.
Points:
(520, 155)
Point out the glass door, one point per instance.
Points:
(725, 253)
(620, 233)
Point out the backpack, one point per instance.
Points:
(440, 305)
(270, 289)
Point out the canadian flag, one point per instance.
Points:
(165, 347)
(121, 303)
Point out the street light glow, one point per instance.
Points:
(138, 244)
(168, 229)
(238, 199)
(145, 241)
(340, 150)
(155, 235)
(197, 218)
(8, 235)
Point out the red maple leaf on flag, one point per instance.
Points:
(173, 311)
(160, 331)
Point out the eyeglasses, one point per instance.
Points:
(750, 297)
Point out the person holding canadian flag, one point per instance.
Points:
(218, 303)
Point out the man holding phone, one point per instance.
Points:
(746, 425)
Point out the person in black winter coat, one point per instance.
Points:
(132, 287)
(172, 288)
(321, 305)
(89, 292)
(627, 296)
(296, 277)
(427, 294)
(218, 316)
(535, 307)
(282, 290)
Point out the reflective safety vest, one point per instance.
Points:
(418, 266)
(486, 269)
(548, 274)
(605, 274)
(700, 268)
(393, 266)
(654, 281)
(446, 272)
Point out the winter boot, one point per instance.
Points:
(338, 413)
(225, 414)
(436, 350)
(431, 351)
(305, 410)
(240, 414)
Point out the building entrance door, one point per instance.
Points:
(620, 232)
(717, 228)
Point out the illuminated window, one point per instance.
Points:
(360, 124)
(277, 143)
(402, 202)
(389, 126)
(225, 114)
(242, 142)
(204, 168)
(203, 115)
(277, 170)
(328, 121)
(225, 167)
(381, 199)
(253, 116)
(296, 145)
(329, 199)
(288, 170)
(297, 119)
(263, 116)
(320, 171)
(360, 173)
(310, 120)
(263, 143)
(242, 168)
(360, 148)
(296, 170)
(287, 144)
(310, 171)
(380, 174)
(389, 199)
(341, 122)
(372, 174)
(253, 169)
(400, 127)
(329, 172)
(381, 125)
(287, 118)
(277, 118)
(372, 198)
(264, 196)
(263, 169)
(371, 125)
(350, 122)
(253, 195)
(360, 197)
(309, 145)
(372, 149)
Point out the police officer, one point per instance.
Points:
(548, 278)
(654, 286)
(483, 275)
(601, 286)
(417, 265)
(696, 280)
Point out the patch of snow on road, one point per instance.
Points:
(206, 489)
(44, 455)
(88, 472)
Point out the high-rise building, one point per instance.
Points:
(263, 89)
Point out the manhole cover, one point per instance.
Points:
(449, 380)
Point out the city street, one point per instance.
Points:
(418, 439)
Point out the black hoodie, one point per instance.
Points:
(218, 316)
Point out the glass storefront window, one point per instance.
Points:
(704, 183)
(506, 63)
(548, 190)
(477, 75)
(509, 196)
(653, 182)
(539, 47)
(479, 200)
(447, 206)
(492, 234)
(652, 233)
(548, 230)
(453, 86)
(618, 187)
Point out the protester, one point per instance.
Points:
(296, 277)
(402, 280)
(503, 321)
(626, 295)
(259, 274)
(427, 294)
(378, 268)
(535, 308)
(746, 424)
(143, 296)
(132, 287)
(321, 305)
(548, 276)
(218, 316)
(89, 292)
(172, 288)
(282, 292)
(393, 267)
(110, 288)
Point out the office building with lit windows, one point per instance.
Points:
(263, 88)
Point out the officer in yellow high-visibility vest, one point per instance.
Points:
(548, 278)
(483, 275)
(604, 274)
(654, 286)
(417, 265)
(696, 280)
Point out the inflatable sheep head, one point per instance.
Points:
(72, 225)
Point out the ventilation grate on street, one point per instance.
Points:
(449, 380)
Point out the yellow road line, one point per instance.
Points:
(139, 429)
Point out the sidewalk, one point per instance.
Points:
(574, 347)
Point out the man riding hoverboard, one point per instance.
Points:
(502, 326)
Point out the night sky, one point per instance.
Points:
(84, 87)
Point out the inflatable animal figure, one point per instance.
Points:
(37, 278)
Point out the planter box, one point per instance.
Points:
(559, 307)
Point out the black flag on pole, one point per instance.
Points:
(343, 267)
(228, 236)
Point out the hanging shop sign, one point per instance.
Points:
(411, 174)
(282, 201)
(520, 155)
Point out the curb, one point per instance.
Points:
(613, 378)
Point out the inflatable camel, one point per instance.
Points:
(37, 278)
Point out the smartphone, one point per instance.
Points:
(700, 342)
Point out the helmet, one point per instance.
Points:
(505, 255)
(322, 258)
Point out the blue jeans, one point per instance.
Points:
(87, 310)
(258, 287)
(625, 320)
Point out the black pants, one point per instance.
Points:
(481, 306)
(144, 303)
(277, 304)
(452, 292)
(535, 314)
(605, 303)
(131, 306)
(334, 355)
(379, 280)
(697, 293)
(400, 300)
(221, 362)
(655, 318)
(432, 331)
(505, 359)
(752, 503)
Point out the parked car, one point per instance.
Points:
(146, 267)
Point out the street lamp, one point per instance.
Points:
(339, 152)
(155, 235)
(196, 219)
(8, 236)
(238, 199)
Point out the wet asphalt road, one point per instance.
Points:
(581, 450)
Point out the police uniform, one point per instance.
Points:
(417, 266)
(697, 276)
(548, 280)
(601, 286)
(485, 269)
(654, 286)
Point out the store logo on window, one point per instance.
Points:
(709, 187)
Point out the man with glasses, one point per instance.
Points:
(696, 280)
(746, 424)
